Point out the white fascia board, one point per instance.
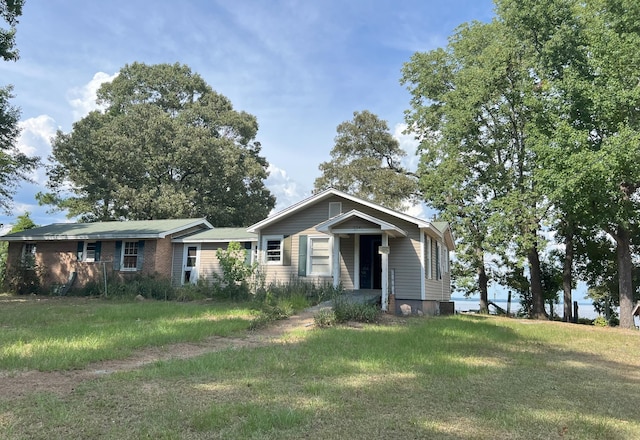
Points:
(193, 224)
(327, 226)
(334, 192)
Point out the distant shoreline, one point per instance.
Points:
(462, 304)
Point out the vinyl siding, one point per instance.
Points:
(176, 264)
(436, 289)
(403, 259)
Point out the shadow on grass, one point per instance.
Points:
(444, 378)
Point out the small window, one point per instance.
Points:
(90, 252)
(335, 208)
(29, 255)
(130, 255)
(319, 250)
(29, 249)
(272, 248)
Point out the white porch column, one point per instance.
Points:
(385, 273)
(336, 261)
(356, 261)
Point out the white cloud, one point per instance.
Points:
(286, 190)
(83, 99)
(35, 136)
(35, 140)
(409, 144)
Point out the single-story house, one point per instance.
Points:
(330, 237)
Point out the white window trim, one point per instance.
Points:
(129, 269)
(335, 208)
(32, 253)
(263, 251)
(310, 238)
(84, 252)
(34, 249)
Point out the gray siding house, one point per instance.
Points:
(333, 237)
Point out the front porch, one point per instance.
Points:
(364, 296)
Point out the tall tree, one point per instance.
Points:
(366, 162)
(587, 66)
(166, 146)
(470, 106)
(23, 222)
(14, 165)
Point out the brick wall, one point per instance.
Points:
(59, 260)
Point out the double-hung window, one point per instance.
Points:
(272, 249)
(90, 254)
(29, 255)
(319, 251)
(130, 255)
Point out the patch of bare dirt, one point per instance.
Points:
(17, 384)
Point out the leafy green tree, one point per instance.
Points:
(236, 272)
(166, 145)
(471, 103)
(366, 162)
(588, 131)
(14, 165)
(23, 223)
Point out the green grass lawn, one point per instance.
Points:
(460, 377)
(63, 334)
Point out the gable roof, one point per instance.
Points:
(218, 235)
(325, 195)
(333, 224)
(135, 229)
(440, 229)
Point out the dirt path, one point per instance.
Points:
(16, 384)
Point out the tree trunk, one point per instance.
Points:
(536, 284)
(483, 282)
(567, 275)
(625, 269)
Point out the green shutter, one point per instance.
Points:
(302, 255)
(80, 250)
(286, 251)
(117, 256)
(98, 250)
(140, 255)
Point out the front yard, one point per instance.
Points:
(461, 377)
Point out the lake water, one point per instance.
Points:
(585, 309)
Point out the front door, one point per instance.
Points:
(190, 264)
(370, 262)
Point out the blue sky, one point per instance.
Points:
(300, 66)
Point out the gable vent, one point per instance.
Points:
(335, 208)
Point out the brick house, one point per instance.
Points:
(81, 253)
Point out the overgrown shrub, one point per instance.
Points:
(347, 310)
(600, 321)
(24, 277)
(324, 318)
(236, 273)
(272, 308)
(311, 293)
(148, 286)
